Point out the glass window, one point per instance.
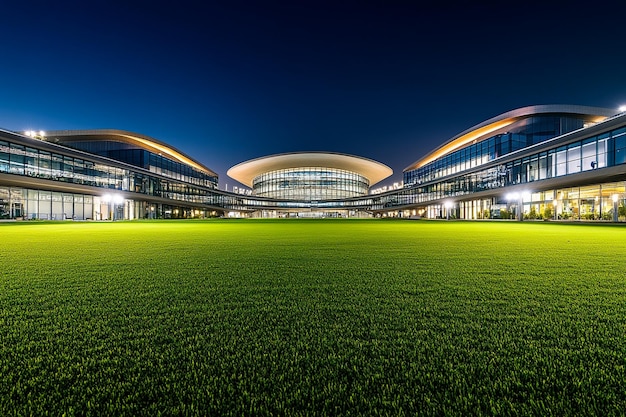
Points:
(31, 162)
(561, 161)
(4, 156)
(589, 155)
(56, 166)
(79, 174)
(551, 163)
(602, 150)
(573, 158)
(533, 168)
(543, 166)
(620, 149)
(525, 169)
(517, 172)
(45, 164)
(17, 159)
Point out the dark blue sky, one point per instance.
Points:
(230, 81)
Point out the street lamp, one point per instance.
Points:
(112, 201)
(107, 200)
(448, 206)
(519, 205)
(117, 201)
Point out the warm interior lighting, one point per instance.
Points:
(512, 196)
(463, 140)
(167, 151)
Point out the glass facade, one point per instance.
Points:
(142, 158)
(63, 167)
(310, 184)
(577, 176)
(44, 205)
(598, 151)
(524, 133)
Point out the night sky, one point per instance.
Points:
(229, 81)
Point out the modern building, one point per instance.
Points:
(101, 174)
(554, 161)
(551, 161)
(310, 177)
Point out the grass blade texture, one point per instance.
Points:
(312, 317)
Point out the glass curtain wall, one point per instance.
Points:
(584, 155)
(310, 184)
(23, 160)
(44, 205)
(525, 133)
(142, 158)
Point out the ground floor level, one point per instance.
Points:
(606, 201)
(306, 214)
(30, 204)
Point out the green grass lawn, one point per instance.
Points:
(307, 317)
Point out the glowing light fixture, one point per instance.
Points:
(34, 134)
(512, 196)
(448, 205)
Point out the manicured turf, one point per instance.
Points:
(328, 317)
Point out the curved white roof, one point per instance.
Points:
(246, 171)
(145, 142)
(487, 128)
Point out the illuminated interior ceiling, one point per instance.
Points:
(484, 130)
(464, 140)
(245, 172)
(144, 142)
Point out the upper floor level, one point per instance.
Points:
(500, 136)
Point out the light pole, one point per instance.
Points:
(117, 201)
(517, 199)
(448, 206)
(107, 200)
(526, 195)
